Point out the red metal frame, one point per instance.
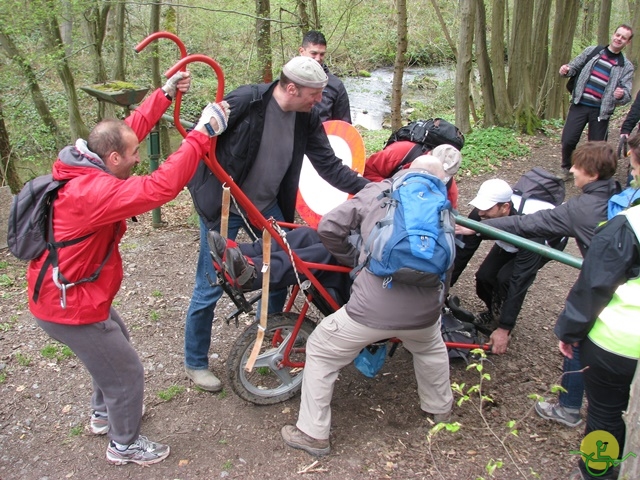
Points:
(183, 53)
(255, 216)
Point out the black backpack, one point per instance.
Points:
(571, 83)
(30, 231)
(539, 184)
(455, 330)
(429, 133)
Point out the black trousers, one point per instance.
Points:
(577, 118)
(607, 382)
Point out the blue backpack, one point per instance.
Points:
(414, 243)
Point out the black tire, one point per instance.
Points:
(266, 384)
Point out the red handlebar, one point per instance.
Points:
(183, 53)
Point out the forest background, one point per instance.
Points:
(506, 55)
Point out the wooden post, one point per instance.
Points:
(264, 306)
(630, 468)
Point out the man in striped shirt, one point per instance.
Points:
(603, 81)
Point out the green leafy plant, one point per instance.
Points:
(6, 326)
(474, 396)
(154, 316)
(23, 360)
(57, 351)
(223, 394)
(3, 264)
(228, 465)
(156, 293)
(76, 431)
(6, 280)
(485, 149)
(171, 392)
(3, 377)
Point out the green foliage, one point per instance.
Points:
(3, 264)
(440, 103)
(56, 351)
(5, 280)
(492, 466)
(223, 394)
(154, 316)
(8, 325)
(3, 377)
(76, 431)
(484, 149)
(228, 465)
(170, 392)
(23, 360)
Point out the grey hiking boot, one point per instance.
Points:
(555, 411)
(143, 452)
(99, 422)
(566, 175)
(296, 438)
(204, 379)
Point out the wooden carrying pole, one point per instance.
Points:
(264, 301)
(224, 218)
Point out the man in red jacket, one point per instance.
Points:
(99, 195)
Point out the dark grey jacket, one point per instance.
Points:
(577, 218)
(335, 101)
(237, 149)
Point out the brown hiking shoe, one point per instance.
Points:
(296, 438)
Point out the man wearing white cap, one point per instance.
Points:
(271, 128)
(505, 275)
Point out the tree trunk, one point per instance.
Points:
(119, 73)
(633, 49)
(630, 468)
(263, 39)
(519, 85)
(303, 16)
(12, 52)
(484, 67)
(8, 174)
(504, 112)
(398, 68)
(315, 15)
(540, 42)
(603, 23)
(66, 26)
(588, 9)
(154, 26)
(445, 30)
(463, 64)
(52, 35)
(553, 98)
(94, 23)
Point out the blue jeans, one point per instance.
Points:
(572, 382)
(197, 329)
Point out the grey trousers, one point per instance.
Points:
(338, 340)
(115, 368)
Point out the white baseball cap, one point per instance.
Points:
(492, 192)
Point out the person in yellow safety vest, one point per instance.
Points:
(602, 316)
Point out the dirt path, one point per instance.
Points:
(377, 432)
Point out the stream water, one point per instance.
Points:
(370, 97)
